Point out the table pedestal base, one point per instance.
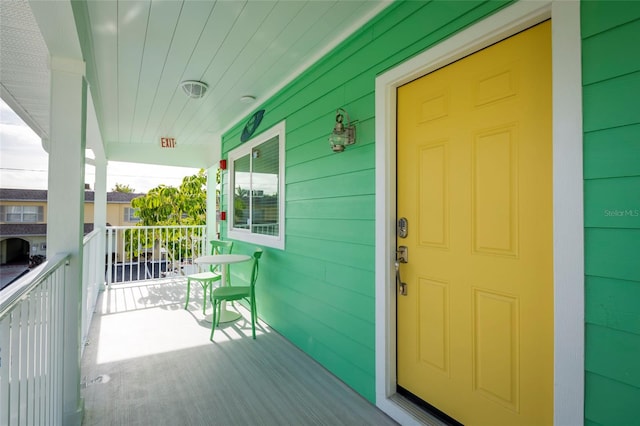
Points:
(225, 315)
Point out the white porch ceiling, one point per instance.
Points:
(138, 52)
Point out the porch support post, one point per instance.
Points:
(100, 210)
(65, 215)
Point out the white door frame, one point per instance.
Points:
(568, 216)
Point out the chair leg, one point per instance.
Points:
(204, 298)
(188, 291)
(214, 319)
(254, 314)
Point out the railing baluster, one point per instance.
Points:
(31, 358)
(5, 363)
(31, 352)
(46, 351)
(160, 249)
(24, 361)
(14, 373)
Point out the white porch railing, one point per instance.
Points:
(31, 352)
(93, 265)
(137, 253)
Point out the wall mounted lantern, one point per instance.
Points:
(342, 135)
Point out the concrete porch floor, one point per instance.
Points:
(150, 362)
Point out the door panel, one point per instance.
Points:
(475, 330)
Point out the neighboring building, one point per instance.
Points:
(23, 220)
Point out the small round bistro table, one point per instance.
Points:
(224, 260)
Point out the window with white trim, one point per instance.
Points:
(256, 189)
(129, 215)
(23, 214)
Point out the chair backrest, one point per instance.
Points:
(254, 270)
(221, 247)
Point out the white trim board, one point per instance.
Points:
(568, 256)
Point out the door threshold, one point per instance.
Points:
(420, 415)
(443, 417)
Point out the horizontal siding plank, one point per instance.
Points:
(613, 354)
(359, 111)
(609, 402)
(306, 133)
(356, 183)
(613, 303)
(355, 158)
(607, 55)
(307, 149)
(318, 103)
(599, 16)
(358, 280)
(361, 207)
(342, 334)
(344, 311)
(356, 255)
(340, 230)
(301, 289)
(612, 203)
(432, 38)
(307, 334)
(613, 253)
(292, 297)
(612, 103)
(306, 265)
(612, 152)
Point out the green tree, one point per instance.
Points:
(165, 206)
(168, 205)
(120, 187)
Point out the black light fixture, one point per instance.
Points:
(342, 135)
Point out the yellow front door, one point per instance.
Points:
(475, 328)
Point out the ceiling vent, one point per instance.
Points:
(193, 88)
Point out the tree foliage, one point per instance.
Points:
(168, 205)
(165, 206)
(121, 187)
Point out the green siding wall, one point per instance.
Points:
(319, 291)
(611, 97)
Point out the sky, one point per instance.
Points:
(24, 163)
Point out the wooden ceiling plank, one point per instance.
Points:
(252, 16)
(192, 20)
(221, 22)
(259, 46)
(103, 17)
(162, 25)
(278, 61)
(133, 20)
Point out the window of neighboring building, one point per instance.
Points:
(24, 214)
(256, 182)
(129, 213)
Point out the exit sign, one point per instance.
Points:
(168, 142)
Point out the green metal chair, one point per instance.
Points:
(231, 293)
(206, 279)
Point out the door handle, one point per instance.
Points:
(402, 287)
(402, 256)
